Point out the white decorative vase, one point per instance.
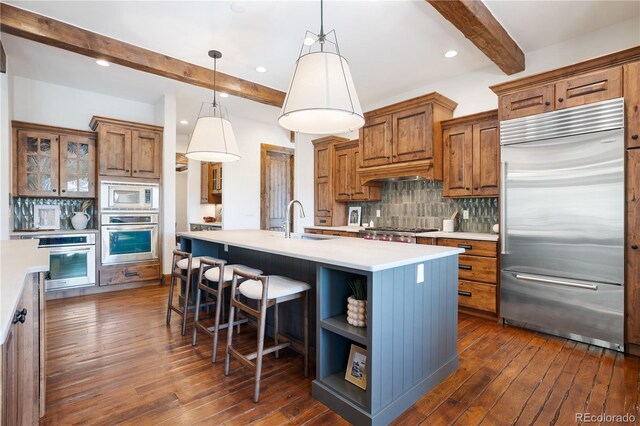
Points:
(80, 220)
(356, 312)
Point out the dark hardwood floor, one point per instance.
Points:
(111, 359)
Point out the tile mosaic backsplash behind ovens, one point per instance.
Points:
(23, 211)
(419, 204)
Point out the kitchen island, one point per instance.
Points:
(411, 334)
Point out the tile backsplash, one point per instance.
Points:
(23, 211)
(420, 204)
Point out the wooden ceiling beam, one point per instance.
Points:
(477, 24)
(42, 29)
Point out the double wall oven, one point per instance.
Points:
(129, 222)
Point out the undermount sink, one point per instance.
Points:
(313, 237)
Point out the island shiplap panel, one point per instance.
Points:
(412, 327)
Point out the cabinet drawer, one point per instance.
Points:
(535, 100)
(476, 268)
(132, 273)
(313, 231)
(426, 240)
(477, 296)
(323, 220)
(349, 234)
(586, 89)
(472, 247)
(333, 233)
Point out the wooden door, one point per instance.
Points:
(535, 100)
(413, 134)
(344, 168)
(114, 148)
(458, 161)
(323, 192)
(632, 104)
(10, 378)
(77, 166)
(486, 159)
(276, 185)
(146, 154)
(204, 182)
(38, 164)
(375, 141)
(589, 88)
(632, 267)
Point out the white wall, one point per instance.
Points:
(182, 191)
(45, 103)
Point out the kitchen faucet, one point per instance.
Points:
(287, 222)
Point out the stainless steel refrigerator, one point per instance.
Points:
(562, 223)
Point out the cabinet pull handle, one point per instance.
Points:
(53, 190)
(634, 247)
(475, 188)
(465, 267)
(547, 103)
(127, 171)
(20, 316)
(323, 221)
(64, 190)
(464, 293)
(131, 274)
(560, 99)
(634, 136)
(465, 246)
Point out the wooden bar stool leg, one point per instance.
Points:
(261, 327)
(172, 284)
(186, 302)
(306, 333)
(276, 328)
(232, 308)
(219, 304)
(197, 314)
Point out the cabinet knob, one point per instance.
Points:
(634, 247)
(560, 99)
(135, 171)
(475, 188)
(127, 171)
(20, 316)
(64, 190)
(467, 188)
(547, 103)
(634, 137)
(53, 190)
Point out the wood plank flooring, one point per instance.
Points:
(111, 359)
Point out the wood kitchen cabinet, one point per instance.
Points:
(347, 178)
(210, 183)
(530, 101)
(327, 211)
(632, 104)
(22, 369)
(589, 88)
(632, 250)
(53, 161)
(404, 139)
(127, 149)
(471, 163)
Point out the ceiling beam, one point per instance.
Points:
(477, 24)
(42, 29)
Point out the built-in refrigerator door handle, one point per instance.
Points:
(503, 208)
(558, 282)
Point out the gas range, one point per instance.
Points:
(399, 235)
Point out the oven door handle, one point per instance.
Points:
(68, 250)
(131, 228)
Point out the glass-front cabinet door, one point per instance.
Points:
(77, 166)
(37, 164)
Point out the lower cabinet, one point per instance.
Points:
(331, 232)
(22, 374)
(135, 272)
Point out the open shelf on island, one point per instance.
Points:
(347, 390)
(339, 325)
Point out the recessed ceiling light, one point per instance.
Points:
(450, 53)
(224, 95)
(261, 69)
(237, 7)
(184, 122)
(308, 41)
(102, 62)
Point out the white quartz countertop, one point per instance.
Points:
(53, 232)
(479, 236)
(17, 259)
(337, 228)
(356, 253)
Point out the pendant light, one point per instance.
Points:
(321, 98)
(212, 138)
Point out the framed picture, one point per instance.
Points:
(357, 367)
(355, 216)
(46, 216)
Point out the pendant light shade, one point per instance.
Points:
(321, 98)
(213, 138)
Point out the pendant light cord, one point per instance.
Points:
(215, 71)
(321, 36)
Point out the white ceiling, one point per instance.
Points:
(392, 46)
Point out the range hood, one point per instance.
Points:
(415, 170)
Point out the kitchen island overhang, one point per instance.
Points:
(411, 334)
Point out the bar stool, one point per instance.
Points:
(270, 290)
(182, 266)
(209, 282)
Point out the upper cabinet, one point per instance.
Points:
(327, 211)
(589, 88)
(404, 139)
(210, 183)
(346, 177)
(632, 104)
(471, 156)
(534, 100)
(53, 162)
(128, 149)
